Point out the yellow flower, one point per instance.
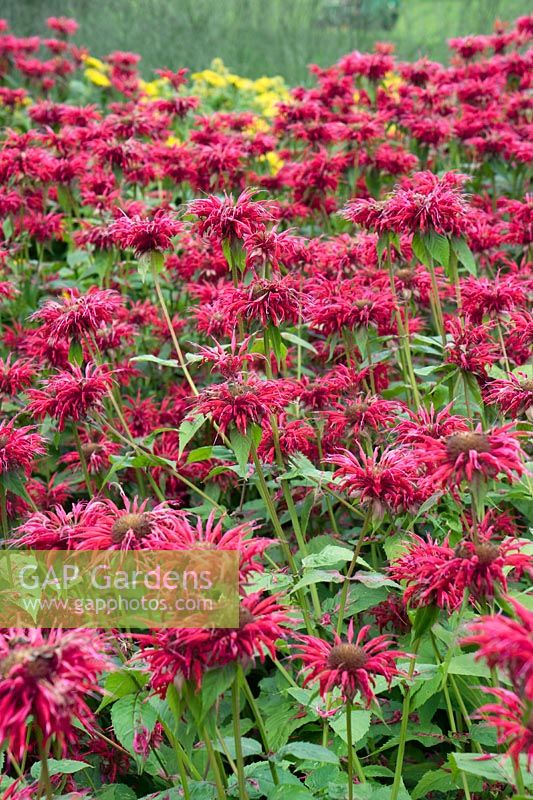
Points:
(91, 61)
(153, 88)
(259, 125)
(173, 141)
(211, 78)
(273, 160)
(96, 77)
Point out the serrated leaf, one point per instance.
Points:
(163, 362)
(306, 751)
(437, 780)
(63, 766)
(187, 429)
(439, 247)
(464, 255)
(360, 724)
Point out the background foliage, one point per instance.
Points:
(259, 37)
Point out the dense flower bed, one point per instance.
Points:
(293, 324)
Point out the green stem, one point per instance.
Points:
(403, 728)
(3, 513)
(170, 327)
(236, 713)
(83, 461)
(259, 722)
(351, 569)
(350, 748)
(219, 783)
(45, 784)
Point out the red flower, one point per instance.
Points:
(386, 481)
(512, 719)
(18, 447)
(466, 455)
(58, 529)
(174, 656)
(144, 234)
(213, 536)
(78, 315)
(97, 451)
(270, 302)
(489, 298)
(70, 395)
(427, 422)
(507, 644)
(15, 375)
(512, 395)
(240, 402)
(227, 219)
(351, 665)
(133, 527)
(44, 680)
(419, 569)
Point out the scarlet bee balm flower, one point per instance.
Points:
(350, 665)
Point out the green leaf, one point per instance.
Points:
(116, 791)
(163, 362)
(495, 768)
(328, 557)
(297, 340)
(119, 684)
(439, 247)
(464, 255)
(188, 428)
(241, 445)
(360, 724)
(250, 747)
(420, 250)
(423, 620)
(128, 715)
(63, 766)
(306, 751)
(75, 353)
(437, 780)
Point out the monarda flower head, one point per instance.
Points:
(385, 482)
(513, 395)
(467, 455)
(145, 235)
(240, 402)
(352, 666)
(78, 315)
(134, 526)
(424, 202)
(18, 447)
(70, 395)
(506, 643)
(228, 219)
(43, 683)
(512, 718)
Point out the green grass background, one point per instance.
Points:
(256, 37)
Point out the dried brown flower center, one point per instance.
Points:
(487, 553)
(89, 449)
(354, 411)
(362, 303)
(405, 274)
(3, 441)
(527, 385)
(139, 524)
(347, 656)
(245, 617)
(38, 662)
(466, 441)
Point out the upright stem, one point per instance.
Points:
(403, 728)
(44, 779)
(350, 747)
(437, 307)
(83, 461)
(351, 568)
(260, 724)
(236, 713)
(3, 513)
(170, 327)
